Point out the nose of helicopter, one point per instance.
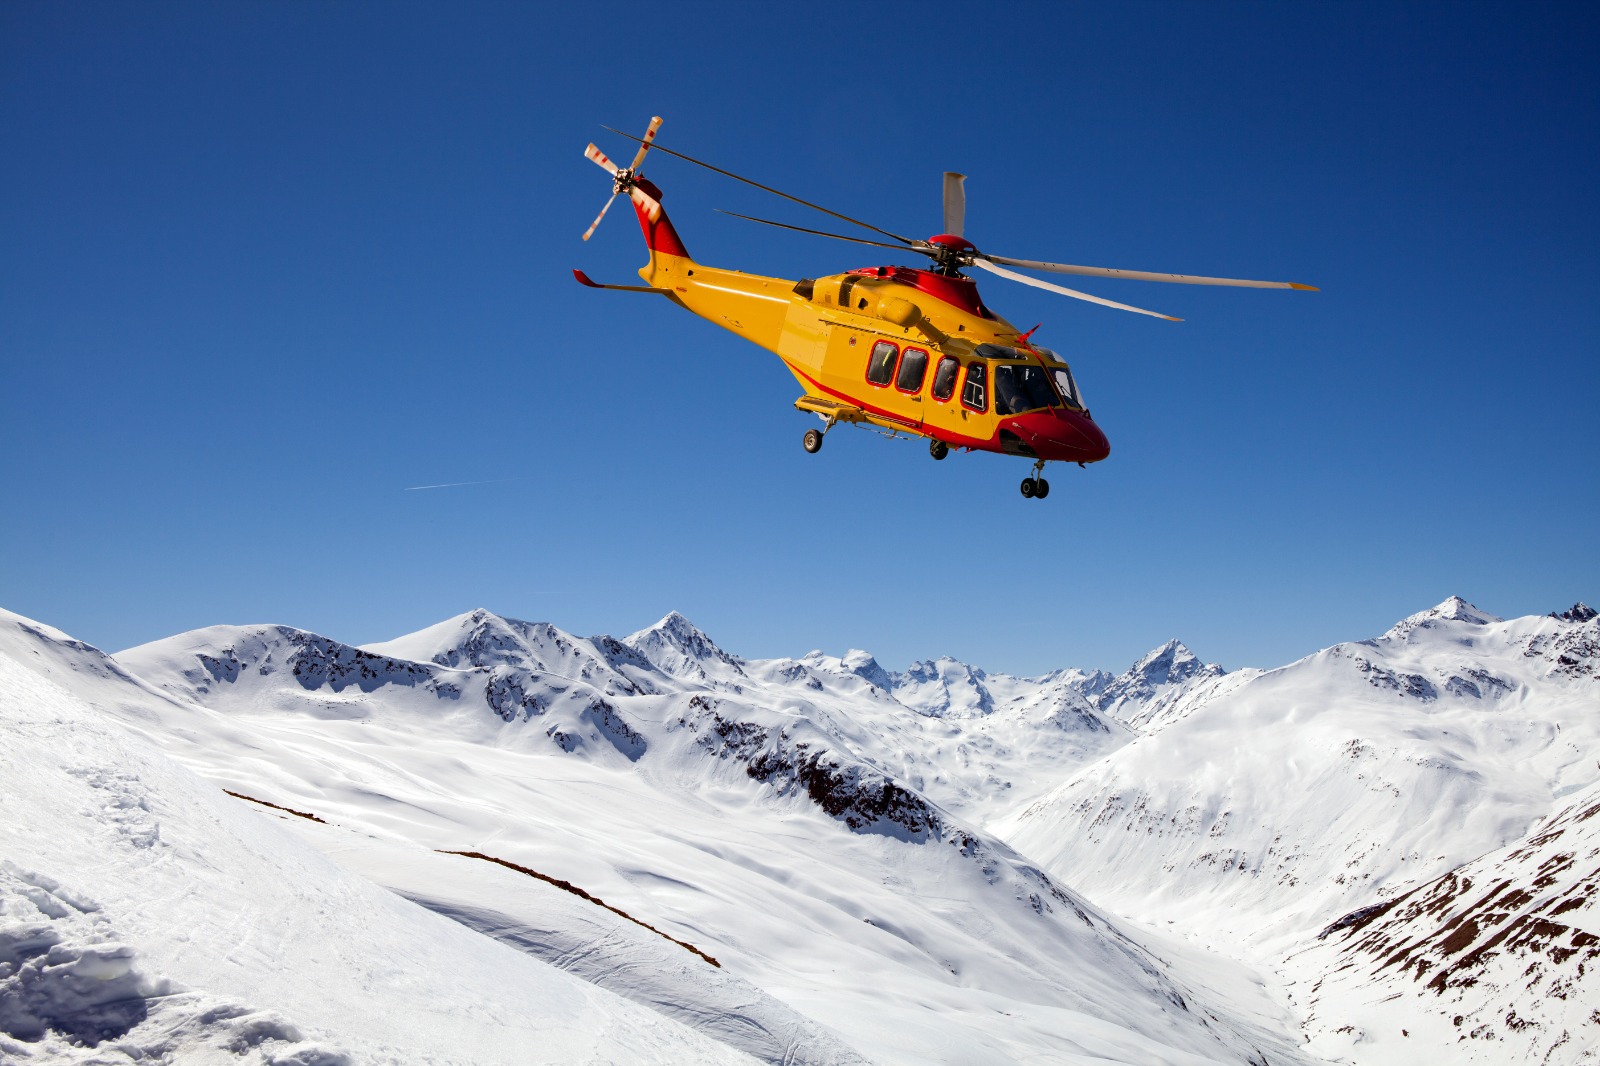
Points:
(1076, 437)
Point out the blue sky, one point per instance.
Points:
(264, 266)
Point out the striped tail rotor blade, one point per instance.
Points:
(649, 136)
(652, 207)
(596, 224)
(599, 159)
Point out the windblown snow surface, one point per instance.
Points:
(493, 841)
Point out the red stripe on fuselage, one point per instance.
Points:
(957, 439)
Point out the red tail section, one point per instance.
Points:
(658, 233)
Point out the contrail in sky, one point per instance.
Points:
(460, 484)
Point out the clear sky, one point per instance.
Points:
(265, 267)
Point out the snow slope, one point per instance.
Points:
(146, 914)
(1344, 779)
(745, 808)
(816, 859)
(1495, 959)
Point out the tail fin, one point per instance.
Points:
(659, 235)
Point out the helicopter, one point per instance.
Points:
(904, 350)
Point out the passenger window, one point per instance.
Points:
(912, 370)
(944, 378)
(880, 368)
(975, 395)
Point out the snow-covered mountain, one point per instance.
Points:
(146, 915)
(1338, 781)
(817, 859)
(1495, 957)
(767, 877)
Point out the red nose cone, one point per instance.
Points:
(1088, 437)
(1060, 435)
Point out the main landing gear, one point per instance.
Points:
(812, 441)
(938, 449)
(1033, 486)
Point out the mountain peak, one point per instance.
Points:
(1580, 612)
(674, 626)
(675, 644)
(1172, 661)
(1162, 671)
(945, 687)
(1456, 609)
(478, 637)
(865, 666)
(1453, 609)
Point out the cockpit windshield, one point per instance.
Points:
(1032, 385)
(1020, 387)
(1067, 387)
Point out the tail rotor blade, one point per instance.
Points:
(598, 157)
(651, 205)
(1064, 291)
(649, 136)
(955, 203)
(596, 224)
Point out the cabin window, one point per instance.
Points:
(1067, 386)
(944, 378)
(1019, 388)
(975, 395)
(913, 368)
(880, 366)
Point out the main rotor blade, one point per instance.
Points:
(820, 233)
(1145, 275)
(1036, 283)
(599, 158)
(596, 224)
(649, 135)
(767, 188)
(955, 203)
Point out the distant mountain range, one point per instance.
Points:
(1381, 851)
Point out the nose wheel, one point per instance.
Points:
(1033, 486)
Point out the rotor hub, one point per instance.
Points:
(949, 242)
(950, 253)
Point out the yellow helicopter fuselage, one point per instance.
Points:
(905, 350)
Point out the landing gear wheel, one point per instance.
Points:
(1036, 487)
(938, 449)
(812, 441)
